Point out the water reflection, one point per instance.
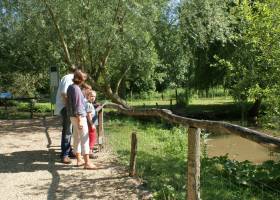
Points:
(238, 148)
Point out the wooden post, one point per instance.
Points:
(32, 104)
(193, 177)
(6, 108)
(132, 165)
(100, 129)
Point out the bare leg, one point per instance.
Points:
(88, 164)
(80, 161)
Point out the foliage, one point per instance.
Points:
(247, 175)
(206, 30)
(38, 107)
(24, 48)
(111, 41)
(174, 61)
(142, 46)
(24, 85)
(253, 66)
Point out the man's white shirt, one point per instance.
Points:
(65, 82)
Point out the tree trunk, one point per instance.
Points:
(254, 110)
(107, 91)
(60, 34)
(114, 97)
(253, 113)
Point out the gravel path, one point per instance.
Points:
(30, 167)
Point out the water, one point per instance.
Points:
(238, 148)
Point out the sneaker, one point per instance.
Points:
(66, 160)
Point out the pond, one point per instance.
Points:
(238, 148)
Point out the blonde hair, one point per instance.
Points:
(89, 93)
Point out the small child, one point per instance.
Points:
(91, 94)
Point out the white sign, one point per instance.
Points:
(54, 77)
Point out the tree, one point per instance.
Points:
(23, 49)
(174, 59)
(109, 39)
(207, 29)
(253, 68)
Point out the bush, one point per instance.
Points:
(38, 107)
(183, 99)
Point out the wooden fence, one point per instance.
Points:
(194, 128)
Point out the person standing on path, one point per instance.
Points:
(76, 109)
(60, 109)
(90, 96)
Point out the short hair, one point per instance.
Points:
(79, 77)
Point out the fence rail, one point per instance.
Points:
(273, 143)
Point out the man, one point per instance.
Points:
(60, 109)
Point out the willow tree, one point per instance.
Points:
(206, 27)
(112, 40)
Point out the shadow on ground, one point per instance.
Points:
(110, 181)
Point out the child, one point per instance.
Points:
(91, 94)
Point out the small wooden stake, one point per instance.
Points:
(132, 166)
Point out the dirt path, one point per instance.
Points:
(30, 167)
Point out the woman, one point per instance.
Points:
(76, 110)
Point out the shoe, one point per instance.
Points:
(66, 160)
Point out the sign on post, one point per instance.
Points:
(54, 82)
(54, 77)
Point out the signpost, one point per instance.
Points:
(54, 82)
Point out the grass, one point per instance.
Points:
(159, 150)
(21, 110)
(161, 163)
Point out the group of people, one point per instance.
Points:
(74, 102)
